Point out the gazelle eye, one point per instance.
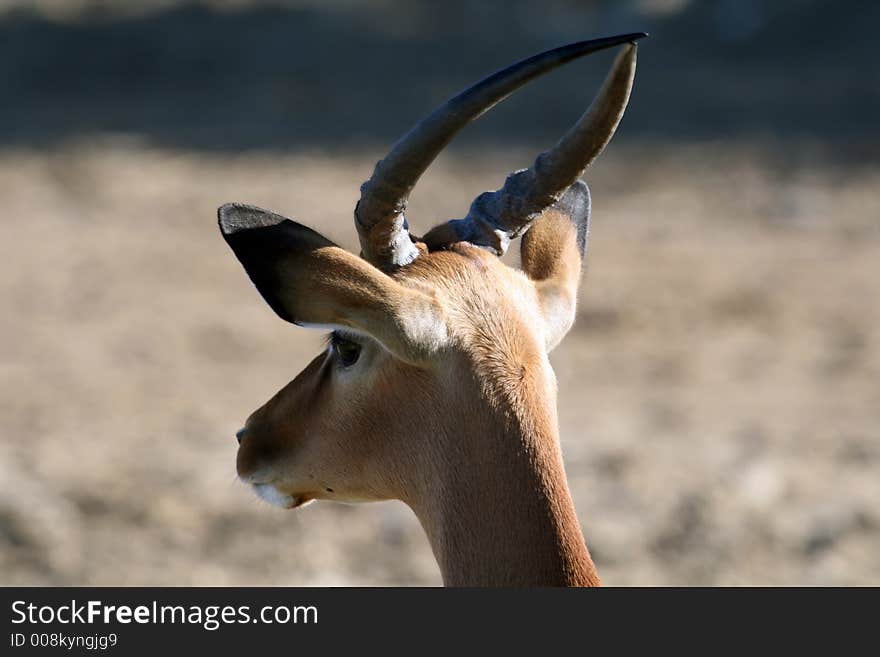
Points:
(347, 351)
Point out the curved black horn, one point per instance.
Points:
(497, 217)
(379, 215)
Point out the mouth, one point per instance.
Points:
(273, 496)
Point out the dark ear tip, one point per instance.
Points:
(234, 217)
(576, 204)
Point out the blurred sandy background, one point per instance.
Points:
(719, 394)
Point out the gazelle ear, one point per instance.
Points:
(310, 281)
(552, 252)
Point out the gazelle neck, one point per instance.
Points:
(500, 512)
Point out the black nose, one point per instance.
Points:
(239, 435)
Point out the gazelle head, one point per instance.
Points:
(438, 349)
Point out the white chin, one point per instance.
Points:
(273, 496)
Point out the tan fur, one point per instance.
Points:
(466, 434)
(550, 257)
(331, 286)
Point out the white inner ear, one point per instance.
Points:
(558, 307)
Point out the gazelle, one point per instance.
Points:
(435, 387)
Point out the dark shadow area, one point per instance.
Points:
(342, 75)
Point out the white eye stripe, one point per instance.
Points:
(348, 335)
